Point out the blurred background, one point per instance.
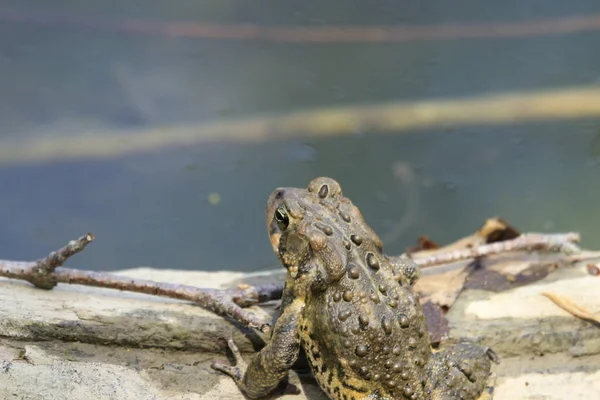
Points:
(163, 126)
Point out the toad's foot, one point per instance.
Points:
(267, 369)
(460, 372)
(237, 371)
(260, 384)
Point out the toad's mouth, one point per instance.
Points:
(292, 250)
(292, 272)
(275, 238)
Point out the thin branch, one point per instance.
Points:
(227, 303)
(563, 242)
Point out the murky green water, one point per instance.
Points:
(202, 207)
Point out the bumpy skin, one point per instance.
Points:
(352, 310)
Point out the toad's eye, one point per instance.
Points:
(282, 218)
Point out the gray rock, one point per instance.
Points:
(78, 342)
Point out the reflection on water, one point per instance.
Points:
(202, 206)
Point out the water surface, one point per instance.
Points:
(202, 206)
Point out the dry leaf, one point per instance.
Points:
(437, 324)
(593, 270)
(497, 230)
(495, 281)
(571, 307)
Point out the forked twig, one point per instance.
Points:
(46, 273)
(41, 273)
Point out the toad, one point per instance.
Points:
(352, 309)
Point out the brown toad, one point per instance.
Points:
(352, 309)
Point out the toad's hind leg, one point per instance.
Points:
(460, 371)
(269, 367)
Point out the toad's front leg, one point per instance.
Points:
(264, 372)
(406, 267)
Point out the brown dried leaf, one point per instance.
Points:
(492, 280)
(493, 230)
(593, 269)
(437, 324)
(497, 230)
(571, 307)
(443, 289)
(423, 243)
(496, 258)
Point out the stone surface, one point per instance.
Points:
(523, 321)
(76, 342)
